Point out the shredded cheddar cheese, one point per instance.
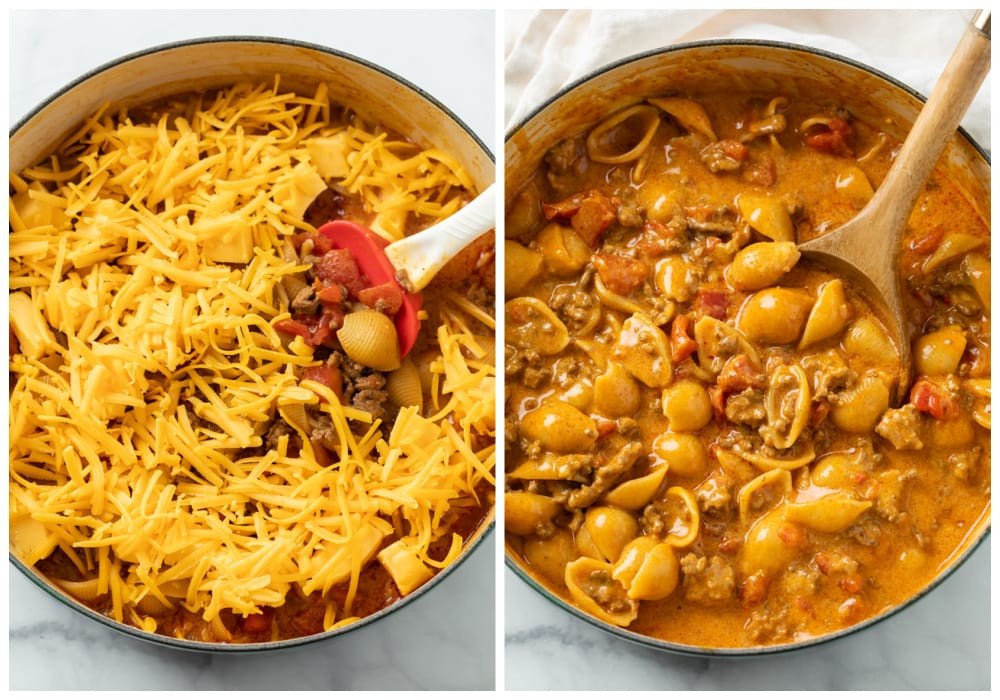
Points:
(145, 269)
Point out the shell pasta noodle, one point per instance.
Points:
(701, 441)
(214, 432)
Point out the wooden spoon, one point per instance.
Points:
(866, 248)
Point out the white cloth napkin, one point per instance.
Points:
(545, 50)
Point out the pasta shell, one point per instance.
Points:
(550, 555)
(295, 415)
(977, 269)
(853, 184)
(675, 278)
(559, 427)
(85, 591)
(683, 454)
(835, 471)
(608, 530)
(532, 325)
(834, 513)
(718, 341)
(766, 464)
(829, 314)
(370, 338)
(688, 113)
(521, 267)
(939, 352)
(867, 339)
(861, 407)
(952, 247)
(597, 352)
(775, 315)
(981, 389)
(624, 136)
(563, 252)
(779, 477)
(766, 215)
(648, 569)
(579, 395)
(618, 302)
(636, 493)
(151, 605)
(761, 264)
(770, 544)
(585, 576)
(525, 511)
(690, 525)
(552, 468)
(616, 393)
(403, 385)
(788, 393)
(643, 349)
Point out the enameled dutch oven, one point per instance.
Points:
(215, 62)
(776, 68)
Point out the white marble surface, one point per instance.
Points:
(941, 641)
(443, 640)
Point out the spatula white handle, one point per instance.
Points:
(418, 258)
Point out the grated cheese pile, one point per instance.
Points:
(145, 262)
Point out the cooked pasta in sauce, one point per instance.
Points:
(702, 443)
(217, 431)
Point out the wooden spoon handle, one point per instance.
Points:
(935, 125)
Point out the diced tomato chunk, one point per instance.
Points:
(754, 589)
(590, 214)
(385, 298)
(712, 302)
(258, 623)
(734, 149)
(820, 410)
(656, 238)
(793, 535)
(330, 294)
(763, 172)
(738, 374)
(328, 376)
(606, 427)
(682, 345)
(337, 266)
(928, 242)
(596, 213)
(293, 327)
(562, 210)
(849, 584)
(327, 325)
(717, 399)
(832, 139)
(621, 274)
(320, 244)
(929, 398)
(822, 563)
